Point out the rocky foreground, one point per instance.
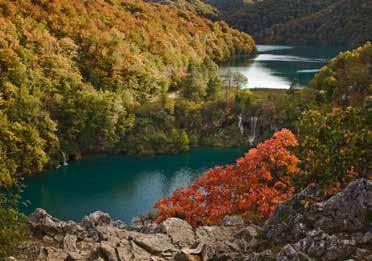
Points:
(339, 228)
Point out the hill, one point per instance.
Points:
(301, 22)
(72, 73)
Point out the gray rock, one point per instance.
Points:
(266, 255)
(97, 218)
(322, 246)
(233, 221)
(288, 253)
(347, 211)
(144, 224)
(287, 224)
(41, 223)
(180, 232)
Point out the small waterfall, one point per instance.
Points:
(240, 124)
(64, 159)
(252, 136)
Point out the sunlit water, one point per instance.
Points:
(121, 185)
(278, 66)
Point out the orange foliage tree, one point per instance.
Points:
(252, 187)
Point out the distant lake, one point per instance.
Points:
(277, 66)
(123, 186)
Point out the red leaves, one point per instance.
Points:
(252, 187)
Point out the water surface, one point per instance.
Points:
(121, 185)
(277, 66)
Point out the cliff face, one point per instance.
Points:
(336, 229)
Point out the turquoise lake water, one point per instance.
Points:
(121, 185)
(277, 66)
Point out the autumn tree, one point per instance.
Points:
(252, 187)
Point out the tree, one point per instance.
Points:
(239, 80)
(184, 141)
(213, 87)
(252, 187)
(333, 144)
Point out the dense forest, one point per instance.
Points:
(300, 22)
(74, 75)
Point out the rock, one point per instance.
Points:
(266, 255)
(158, 244)
(220, 242)
(124, 251)
(69, 243)
(248, 233)
(288, 253)
(108, 252)
(347, 211)
(97, 218)
(233, 221)
(139, 253)
(287, 224)
(180, 232)
(367, 238)
(41, 223)
(108, 232)
(144, 225)
(320, 245)
(119, 224)
(52, 254)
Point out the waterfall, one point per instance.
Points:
(252, 137)
(64, 159)
(240, 124)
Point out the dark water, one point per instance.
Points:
(278, 66)
(120, 185)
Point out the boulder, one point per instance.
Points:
(287, 224)
(108, 252)
(347, 211)
(94, 219)
(157, 244)
(180, 232)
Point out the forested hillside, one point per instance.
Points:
(196, 6)
(301, 22)
(73, 73)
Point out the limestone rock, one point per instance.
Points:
(180, 232)
(347, 211)
(233, 221)
(52, 254)
(158, 244)
(322, 246)
(108, 252)
(287, 224)
(144, 225)
(69, 243)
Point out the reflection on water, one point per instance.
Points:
(278, 66)
(120, 185)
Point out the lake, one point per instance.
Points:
(123, 186)
(277, 66)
